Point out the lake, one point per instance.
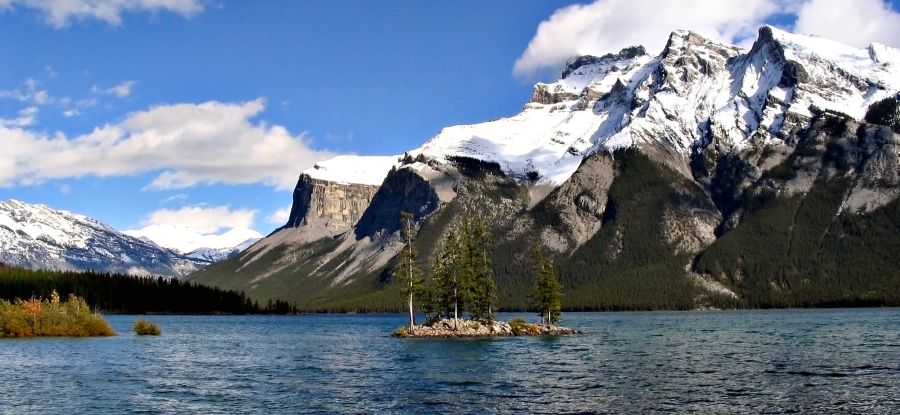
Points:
(760, 361)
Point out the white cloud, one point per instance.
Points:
(174, 198)
(280, 216)
(59, 13)
(857, 23)
(121, 90)
(26, 117)
(31, 93)
(203, 219)
(609, 25)
(194, 227)
(189, 144)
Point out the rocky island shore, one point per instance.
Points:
(473, 328)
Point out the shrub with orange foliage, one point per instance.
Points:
(39, 317)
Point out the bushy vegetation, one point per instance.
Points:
(520, 327)
(146, 328)
(133, 295)
(51, 317)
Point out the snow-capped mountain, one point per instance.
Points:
(705, 174)
(39, 237)
(211, 255)
(696, 87)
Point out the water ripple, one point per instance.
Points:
(766, 362)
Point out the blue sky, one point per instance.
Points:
(311, 79)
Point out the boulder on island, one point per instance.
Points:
(473, 328)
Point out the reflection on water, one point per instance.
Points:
(779, 361)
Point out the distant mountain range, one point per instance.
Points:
(704, 175)
(39, 237)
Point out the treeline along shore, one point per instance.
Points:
(125, 294)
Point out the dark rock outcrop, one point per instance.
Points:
(402, 191)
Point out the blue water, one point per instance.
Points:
(780, 361)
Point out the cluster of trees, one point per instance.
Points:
(118, 293)
(462, 276)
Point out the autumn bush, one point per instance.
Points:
(146, 328)
(41, 317)
(520, 327)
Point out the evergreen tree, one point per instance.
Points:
(447, 278)
(462, 277)
(407, 271)
(483, 287)
(547, 290)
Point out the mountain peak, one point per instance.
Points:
(610, 58)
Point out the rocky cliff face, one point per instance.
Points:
(332, 206)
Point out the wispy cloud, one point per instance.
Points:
(122, 90)
(174, 198)
(186, 144)
(30, 92)
(26, 118)
(60, 13)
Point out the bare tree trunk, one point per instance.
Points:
(455, 311)
(412, 318)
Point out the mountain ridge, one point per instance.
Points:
(721, 133)
(39, 237)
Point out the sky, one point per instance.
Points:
(189, 121)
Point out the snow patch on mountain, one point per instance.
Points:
(350, 169)
(220, 254)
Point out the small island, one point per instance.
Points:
(44, 318)
(473, 328)
(462, 281)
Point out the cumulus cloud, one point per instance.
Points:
(59, 13)
(194, 227)
(609, 25)
(184, 144)
(857, 23)
(280, 216)
(606, 26)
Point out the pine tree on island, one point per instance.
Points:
(547, 290)
(462, 278)
(407, 270)
(462, 281)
